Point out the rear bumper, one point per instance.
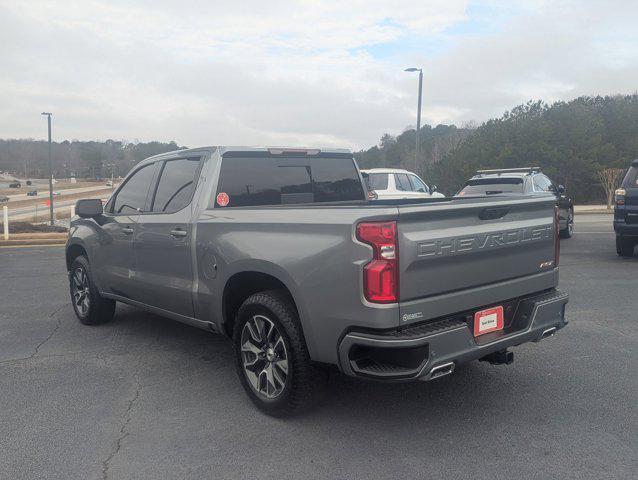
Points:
(419, 351)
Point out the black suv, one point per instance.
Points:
(522, 181)
(626, 213)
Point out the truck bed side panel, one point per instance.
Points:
(310, 249)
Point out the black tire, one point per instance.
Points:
(568, 231)
(625, 246)
(300, 384)
(88, 305)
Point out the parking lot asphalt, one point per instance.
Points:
(146, 397)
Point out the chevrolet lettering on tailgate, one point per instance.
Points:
(454, 245)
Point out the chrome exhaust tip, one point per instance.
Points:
(548, 333)
(440, 371)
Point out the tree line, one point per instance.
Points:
(570, 140)
(93, 160)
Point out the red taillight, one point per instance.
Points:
(556, 236)
(381, 275)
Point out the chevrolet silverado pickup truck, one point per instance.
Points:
(281, 250)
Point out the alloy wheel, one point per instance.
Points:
(264, 356)
(80, 291)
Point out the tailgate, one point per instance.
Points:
(468, 243)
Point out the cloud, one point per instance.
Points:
(304, 73)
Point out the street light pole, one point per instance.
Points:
(418, 116)
(50, 169)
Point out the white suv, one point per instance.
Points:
(394, 183)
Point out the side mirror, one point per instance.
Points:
(433, 188)
(560, 189)
(89, 208)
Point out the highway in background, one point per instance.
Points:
(43, 192)
(41, 207)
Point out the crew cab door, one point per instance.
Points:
(114, 259)
(164, 272)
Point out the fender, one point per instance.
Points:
(85, 233)
(268, 268)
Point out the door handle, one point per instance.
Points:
(178, 232)
(127, 230)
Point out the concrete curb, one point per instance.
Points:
(21, 239)
(38, 235)
(593, 209)
(31, 242)
(594, 212)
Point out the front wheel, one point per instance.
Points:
(271, 357)
(625, 246)
(89, 306)
(568, 231)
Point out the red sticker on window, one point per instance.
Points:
(222, 199)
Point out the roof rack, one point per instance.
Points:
(510, 170)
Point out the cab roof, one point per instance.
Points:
(386, 170)
(268, 150)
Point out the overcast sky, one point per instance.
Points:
(298, 73)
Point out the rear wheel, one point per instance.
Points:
(89, 306)
(568, 231)
(625, 246)
(271, 357)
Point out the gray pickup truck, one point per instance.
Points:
(281, 250)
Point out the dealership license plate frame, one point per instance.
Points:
(488, 320)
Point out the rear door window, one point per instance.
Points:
(378, 181)
(281, 180)
(402, 182)
(176, 185)
(131, 198)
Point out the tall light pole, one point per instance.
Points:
(50, 168)
(418, 114)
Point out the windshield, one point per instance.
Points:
(492, 186)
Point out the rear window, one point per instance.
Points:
(377, 181)
(281, 180)
(631, 179)
(492, 186)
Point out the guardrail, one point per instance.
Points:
(5, 215)
(5, 219)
